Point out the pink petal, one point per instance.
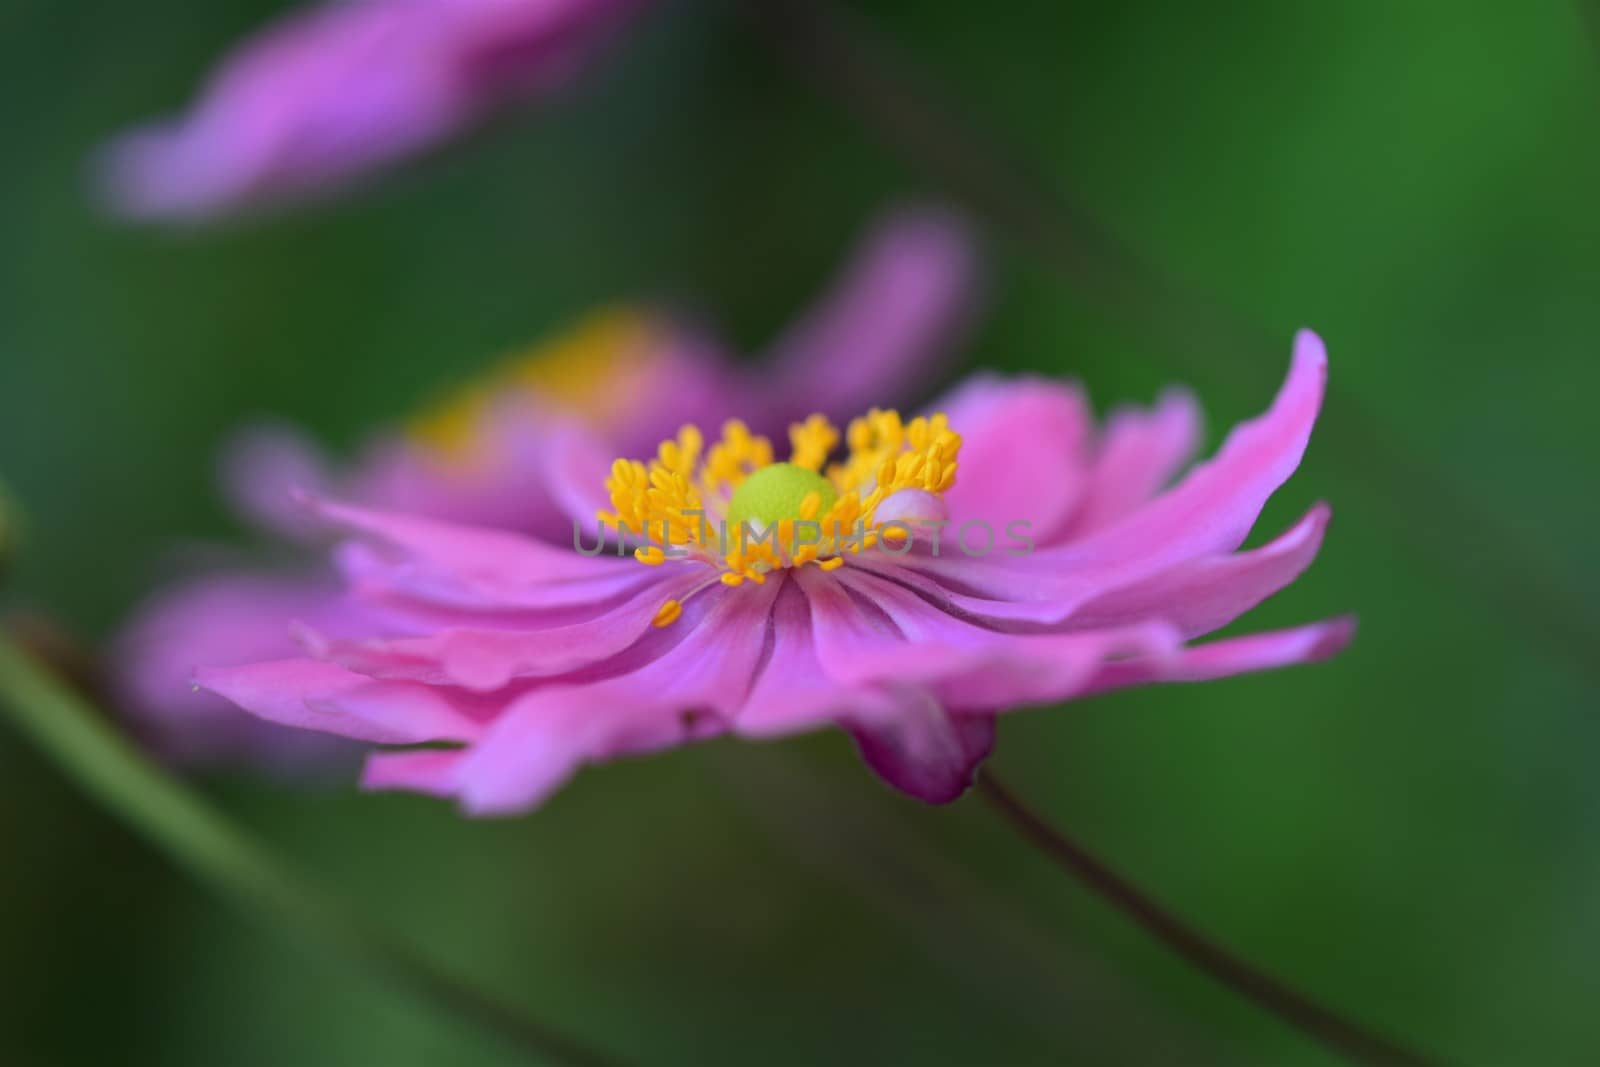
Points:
(969, 668)
(481, 659)
(1235, 655)
(1198, 597)
(430, 771)
(1209, 593)
(687, 695)
(1214, 507)
(220, 620)
(926, 751)
(490, 568)
(900, 304)
(530, 453)
(1139, 453)
(688, 378)
(497, 482)
(333, 91)
(903, 733)
(323, 95)
(264, 471)
(1024, 454)
(795, 692)
(1210, 512)
(576, 466)
(412, 590)
(314, 695)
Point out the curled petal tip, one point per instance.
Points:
(1309, 348)
(118, 180)
(1335, 636)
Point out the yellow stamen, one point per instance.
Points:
(668, 614)
(733, 458)
(794, 513)
(811, 441)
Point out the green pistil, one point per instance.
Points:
(775, 493)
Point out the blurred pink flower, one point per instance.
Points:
(503, 452)
(531, 659)
(336, 90)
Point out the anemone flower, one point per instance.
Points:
(500, 451)
(336, 90)
(1065, 569)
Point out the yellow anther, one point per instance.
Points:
(668, 614)
(688, 494)
(811, 441)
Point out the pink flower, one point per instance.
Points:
(530, 659)
(503, 452)
(334, 91)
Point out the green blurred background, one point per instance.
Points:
(1408, 832)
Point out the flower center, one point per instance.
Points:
(732, 507)
(577, 371)
(780, 492)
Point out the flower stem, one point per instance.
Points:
(1310, 1018)
(1470, 544)
(178, 821)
